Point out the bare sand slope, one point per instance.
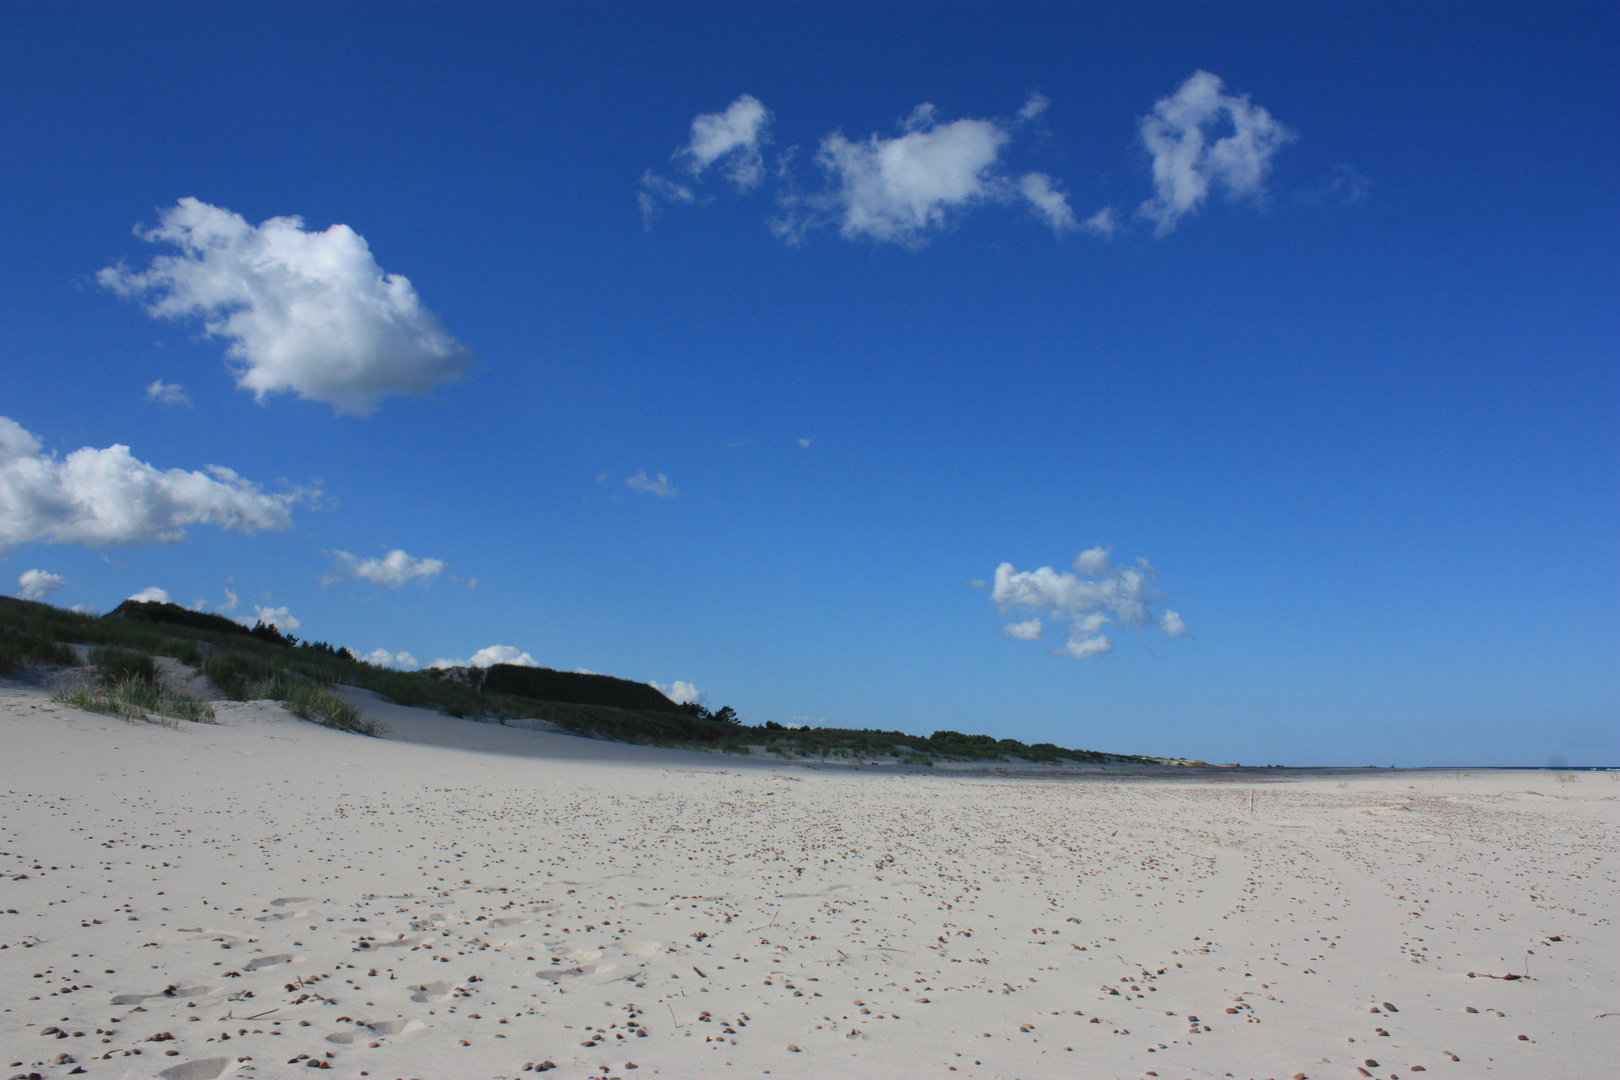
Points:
(469, 901)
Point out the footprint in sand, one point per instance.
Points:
(268, 961)
(430, 993)
(639, 948)
(205, 1069)
(559, 974)
(171, 992)
(396, 1027)
(401, 942)
(574, 954)
(283, 901)
(828, 891)
(281, 915)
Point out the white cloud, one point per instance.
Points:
(393, 569)
(1189, 160)
(384, 658)
(231, 601)
(36, 584)
(1028, 630)
(1036, 105)
(730, 139)
(278, 617)
(305, 312)
(804, 444)
(902, 188)
(654, 188)
(733, 137)
(681, 693)
(1097, 592)
(495, 654)
(659, 487)
(107, 497)
(1345, 187)
(897, 189)
(1082, 647)
(151, 595)
(168, 393)
(1050, 204)
(1104, 223)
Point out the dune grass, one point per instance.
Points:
(136, 699)
(21, 643)
(318, 703)
(118, 663)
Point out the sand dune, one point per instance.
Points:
(465, 900)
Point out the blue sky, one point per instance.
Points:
(713, 354)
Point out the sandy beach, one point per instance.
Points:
(466, 900)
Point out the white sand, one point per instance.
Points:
(462, 900)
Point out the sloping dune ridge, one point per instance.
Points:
(266, 896)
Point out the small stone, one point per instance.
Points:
(1362, 1072)
(1524, 1038)
(1390, 1008)
(1469, 1009)
(1370, 1063)
(1299, 1076)
(1416, 1068)
(793, 1048)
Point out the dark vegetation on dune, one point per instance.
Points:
(262, 662)
(574, 687)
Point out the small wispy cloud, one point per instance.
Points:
(393, 569)
(1028, 630)
(151, 595)
(731, 139)
(1344, 186)
(384, 658)
(1104, 223)
(163, 393)
(658, 485)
